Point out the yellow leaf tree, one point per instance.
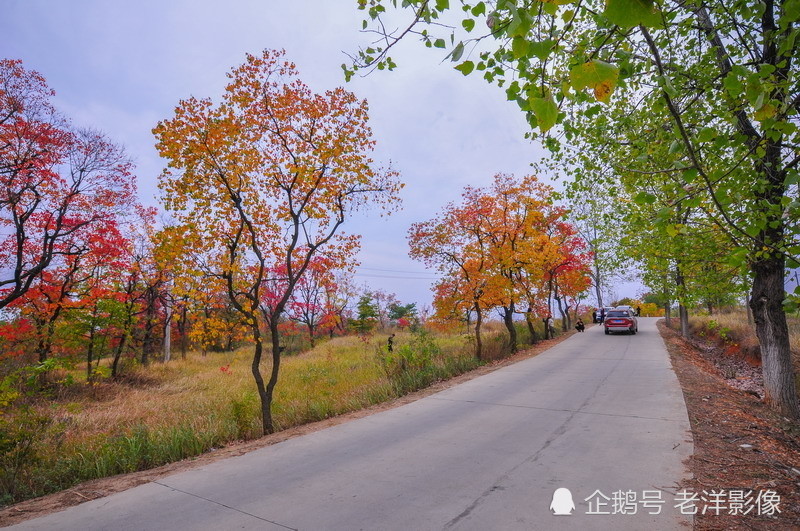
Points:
(262, 183)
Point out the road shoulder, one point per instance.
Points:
(739, 443)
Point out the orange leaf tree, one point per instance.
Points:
(456, 243)
(519, 220)
(263, 182)
(496, 250)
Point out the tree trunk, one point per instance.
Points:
(508, 320)
(182, 331)
(531, 329)
(773, 336)
(123, 338)
(204, 342)
(168, 333)
(45, 344)
(597, 288)
(478, 341)
(564, 316)
(311, 337)
(668, 313)
(90, 357)
(680, 283)
(90, 350)
(266, 400)
(149, 325)
(684, 315)
(118, 354)
(255, 368)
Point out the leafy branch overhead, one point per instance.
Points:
(537, 56)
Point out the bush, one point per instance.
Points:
(21, 444)
(422, 361)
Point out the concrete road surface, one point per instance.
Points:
(602, 416)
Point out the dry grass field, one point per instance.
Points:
(170, 411)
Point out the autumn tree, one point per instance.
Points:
(456, 244)
(516, 228)
(497, 249)
(55, 180)
(719, 78)
(263, 182)
(338, 298)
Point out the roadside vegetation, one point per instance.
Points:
(730, 341)
(63, 431)
(58, 428)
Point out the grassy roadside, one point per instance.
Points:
(97, 488)
(169, 412)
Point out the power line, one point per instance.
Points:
(392, 276)
(395, 271)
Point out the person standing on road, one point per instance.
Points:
(551, 329)
(579, 326)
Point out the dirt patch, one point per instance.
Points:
(740, 444)
(100, 488)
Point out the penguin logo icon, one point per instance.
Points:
(562, 503)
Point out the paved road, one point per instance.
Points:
(595, 414)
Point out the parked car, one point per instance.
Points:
(621, 321)
(604, 313)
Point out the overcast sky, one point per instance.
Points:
(122, 65)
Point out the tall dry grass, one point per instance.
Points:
(171, 411)
(734, 326)
(733, 329)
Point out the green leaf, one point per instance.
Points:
(457, 52)
(519, 47)
(643, 198)
(630, 13)
(439, 43)
(479, 9)
(791, 10)
(541, 49)
(690, 175)
(442, 5)
(513, 90)
(766, 111)
(468, 23)
(752, 230)
(546, 112)
(466, 67)
(737, 258)
(596, 74)
(707, 134)
(520, 24)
